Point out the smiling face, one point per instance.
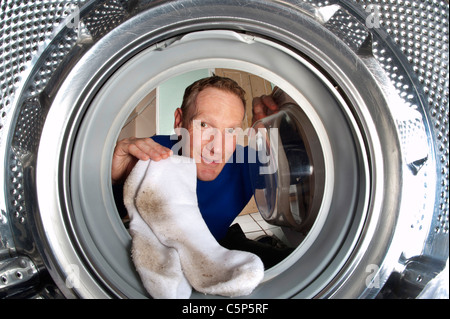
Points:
(212, 141)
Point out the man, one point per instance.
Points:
(211, 110)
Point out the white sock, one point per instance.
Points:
(167, 202)
(158, 266)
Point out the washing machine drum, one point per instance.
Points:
(355, 164)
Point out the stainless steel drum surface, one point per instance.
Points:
(371, 78)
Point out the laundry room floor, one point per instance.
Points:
(254, 226)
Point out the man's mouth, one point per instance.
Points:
(210, 161)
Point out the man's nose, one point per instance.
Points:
(216, 142)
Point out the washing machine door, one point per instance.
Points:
(289, 181)
(355, 164)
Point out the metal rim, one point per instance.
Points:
(89, 137)
(108, 98)
(55, 201)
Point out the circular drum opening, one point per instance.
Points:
(340, 159)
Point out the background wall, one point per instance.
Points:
(170, 96)
(155, 113)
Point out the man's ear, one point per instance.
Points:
(178, 118)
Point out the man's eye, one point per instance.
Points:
(203, 124)
(230, 130)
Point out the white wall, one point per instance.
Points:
(170, 97)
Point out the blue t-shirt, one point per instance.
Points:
(220, 201)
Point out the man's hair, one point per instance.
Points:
(189, 108)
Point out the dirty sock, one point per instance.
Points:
(158, 266)
(167, 201)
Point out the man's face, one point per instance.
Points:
(211, 134)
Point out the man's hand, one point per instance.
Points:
(127, 153)
(263, 106)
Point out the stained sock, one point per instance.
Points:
(158, 266)
(167, 202)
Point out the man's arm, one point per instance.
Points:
(266, 105)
